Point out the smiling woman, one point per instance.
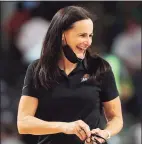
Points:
(66, 90)
(79, 38)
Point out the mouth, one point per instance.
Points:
(81, 49)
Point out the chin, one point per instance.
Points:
(81, 56)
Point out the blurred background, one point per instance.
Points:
(117, 38)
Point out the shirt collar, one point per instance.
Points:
(84, 63)
(82, 66)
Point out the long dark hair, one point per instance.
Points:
(47, 71)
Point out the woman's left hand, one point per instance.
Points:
(101, 133)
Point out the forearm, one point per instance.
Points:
(114, 125)
(35, 126)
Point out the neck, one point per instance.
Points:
(66, 65)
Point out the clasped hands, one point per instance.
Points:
(82, 130)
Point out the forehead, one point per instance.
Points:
(83, 26)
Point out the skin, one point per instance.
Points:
(79, 36)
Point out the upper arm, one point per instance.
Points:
(27, 107)
(29, 99)
(109, 89)
(113, 109)
(29, 88)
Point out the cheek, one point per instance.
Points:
(73, 44)
(78, 41)
(74, 48)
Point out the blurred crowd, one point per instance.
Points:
(117, 38)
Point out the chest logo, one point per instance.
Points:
(85, 77)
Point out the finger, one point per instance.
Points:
(79, 135)
(97, 130)
(99, 135)
(82, 133)
(88, 141)
(81, 129)
(95, 141)
(98, 140)
(86, 128)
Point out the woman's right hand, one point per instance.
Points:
(79, 128)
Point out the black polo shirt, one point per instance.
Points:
(70, 100)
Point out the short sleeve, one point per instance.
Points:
(28, 86)
(108, 89)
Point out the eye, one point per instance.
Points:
(83, 35)
(91, 35)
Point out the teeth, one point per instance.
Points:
(82, 48)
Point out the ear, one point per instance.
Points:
(63, 39)
(63, 36)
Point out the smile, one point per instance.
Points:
(82, 49)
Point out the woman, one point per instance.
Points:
(66, 90)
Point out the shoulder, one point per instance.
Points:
(99, 59)
(33, 64)
(98, 63)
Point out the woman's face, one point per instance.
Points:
(79, 37)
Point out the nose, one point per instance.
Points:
(88, 42)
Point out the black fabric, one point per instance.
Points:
(28, 87)
(108, 87)
(70, 55)
(70, 100)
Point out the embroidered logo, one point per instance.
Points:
(85, 77)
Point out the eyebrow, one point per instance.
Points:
(85, 33)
